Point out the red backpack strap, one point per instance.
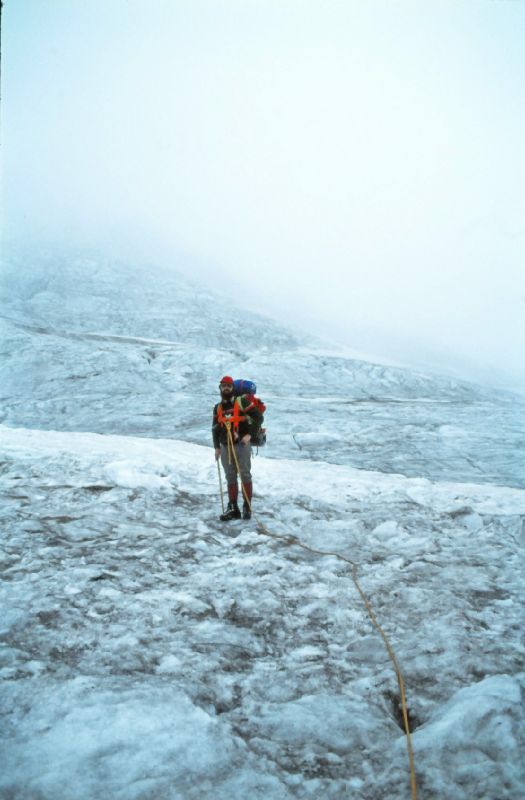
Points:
(252, 402)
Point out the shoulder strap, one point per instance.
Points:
(234, 416)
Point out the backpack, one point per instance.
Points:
(249, 388)
(243, 387)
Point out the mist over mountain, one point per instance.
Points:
(93, 344)
(149, 650)
(326, 199)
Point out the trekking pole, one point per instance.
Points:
(244, 492)
(220, 485)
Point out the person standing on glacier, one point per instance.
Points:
(240, 417)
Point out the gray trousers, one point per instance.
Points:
(244, 457)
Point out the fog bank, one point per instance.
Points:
(355, 168)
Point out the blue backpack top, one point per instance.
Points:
(244, 387)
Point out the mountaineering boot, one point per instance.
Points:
(247, 507)
(232, 512)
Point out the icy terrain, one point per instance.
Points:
(151, 652)
(103, 347)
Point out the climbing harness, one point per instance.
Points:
(233, 416)
(229, 419)
(294, 541)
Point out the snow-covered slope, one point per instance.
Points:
(151, 652)
(106, 347)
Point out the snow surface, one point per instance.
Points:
(149, 651)
(104, 347)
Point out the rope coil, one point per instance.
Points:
(292, 540)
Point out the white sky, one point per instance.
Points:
(357, 164)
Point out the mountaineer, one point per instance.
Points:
(236, 423)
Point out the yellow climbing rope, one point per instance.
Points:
(294, 541)
(231, 448)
